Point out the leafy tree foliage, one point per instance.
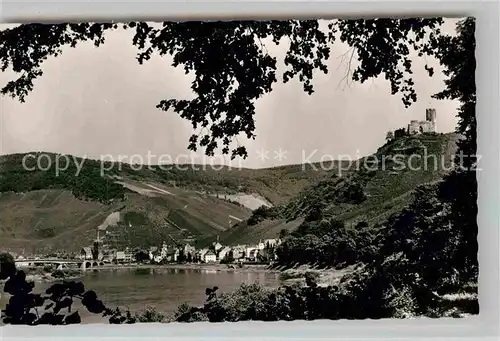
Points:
(401, 132)
(459, 189)
(261, 213)
(95, 250)
(283, 233)
(354, 193)
(181, 258)
(88, 185)
(431, 245)
(328, 243)
(7, 265)
(358, 297)
(228, 258)
(150, 315)
(142, 256)
(422, 237)
(54, 306)
(231, 64)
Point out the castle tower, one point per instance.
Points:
(430, 116)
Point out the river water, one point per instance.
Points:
(162, 288)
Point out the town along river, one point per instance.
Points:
(162, 288)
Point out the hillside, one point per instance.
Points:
(53, 219)
(42, 210)
(368, 193)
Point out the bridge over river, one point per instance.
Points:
(60, 264)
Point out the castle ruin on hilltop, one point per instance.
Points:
(428, 126)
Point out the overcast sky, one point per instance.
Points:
(99, 101)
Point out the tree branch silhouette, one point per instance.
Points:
(230, 67)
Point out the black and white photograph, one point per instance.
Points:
(227, 171)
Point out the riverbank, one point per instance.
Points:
(201, 266)
(222, 267)
(323, 276)
(41, 275)
(47, 278)
(297, 274)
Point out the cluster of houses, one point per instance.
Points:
(263, 251)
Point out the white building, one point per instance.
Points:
(250, 249)
(261, 245)
(128, 256)
(210, 257)
(109, 256)
(124, 256)
(120, 256)
(189, 250)
(164, 250)
(157, 258)
(217, 246)
(238, 252)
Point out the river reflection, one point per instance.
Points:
(162, 288)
